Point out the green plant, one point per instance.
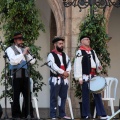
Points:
(22, 15)
(95, 28)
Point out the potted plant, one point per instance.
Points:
(95, 28)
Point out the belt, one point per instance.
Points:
(93, 71)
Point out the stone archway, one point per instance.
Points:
(60, 14)
(56, 6)
(107, 16)
(63, 22)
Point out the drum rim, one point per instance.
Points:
(100, 90)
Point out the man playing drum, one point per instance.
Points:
(86, 65)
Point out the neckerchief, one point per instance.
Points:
(55, 51)
(85, 48)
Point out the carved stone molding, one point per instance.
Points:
(57, 9)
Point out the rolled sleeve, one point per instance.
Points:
(29, 57)
(68, 64)
(78, 66)
(14, 59)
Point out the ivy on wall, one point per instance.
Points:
(22, 15)
(95, 28)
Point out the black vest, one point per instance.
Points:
(57, 62)
(86, 62)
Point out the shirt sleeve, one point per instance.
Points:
(29, 57)
(68, 64)
(53, 65)
(98, 64)
(78, 66)
(14, 59)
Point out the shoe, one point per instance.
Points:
(86, 117)
(105, 117)
(67, 118)
(53, 118)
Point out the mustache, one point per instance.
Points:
(20, 45)
(61, 47)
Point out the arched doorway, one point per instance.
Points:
(53, 29)
(52, 18)
(57, 9)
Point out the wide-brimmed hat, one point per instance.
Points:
(56, 39)
(17, 35)
(85, 36)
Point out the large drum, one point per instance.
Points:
(97, 84)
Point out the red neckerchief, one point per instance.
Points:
(93, 70)
(85, 48)
(55, 51)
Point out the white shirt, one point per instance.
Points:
(78, 65)
(16, 59)
(53, 65)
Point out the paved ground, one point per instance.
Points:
(56, 119)
(82, 119)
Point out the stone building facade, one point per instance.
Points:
(67, 24)
(62, 21)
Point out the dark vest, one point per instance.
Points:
(57, 62)
(86, 62)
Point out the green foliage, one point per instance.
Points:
(95, 28)
(22, 15)
(78, 90)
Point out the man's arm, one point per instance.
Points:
(14, 59)
(29, 57)
(53, 65)
(68, 69)
(98, 64)
(78, 66)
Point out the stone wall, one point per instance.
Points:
(68, 21)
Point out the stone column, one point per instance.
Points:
(73, 21)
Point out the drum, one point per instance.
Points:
(97, 84)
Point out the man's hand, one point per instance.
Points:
(100, 67)
(25, 52)
(65, 74)
(81, 82)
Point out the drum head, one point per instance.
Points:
(97, 84)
